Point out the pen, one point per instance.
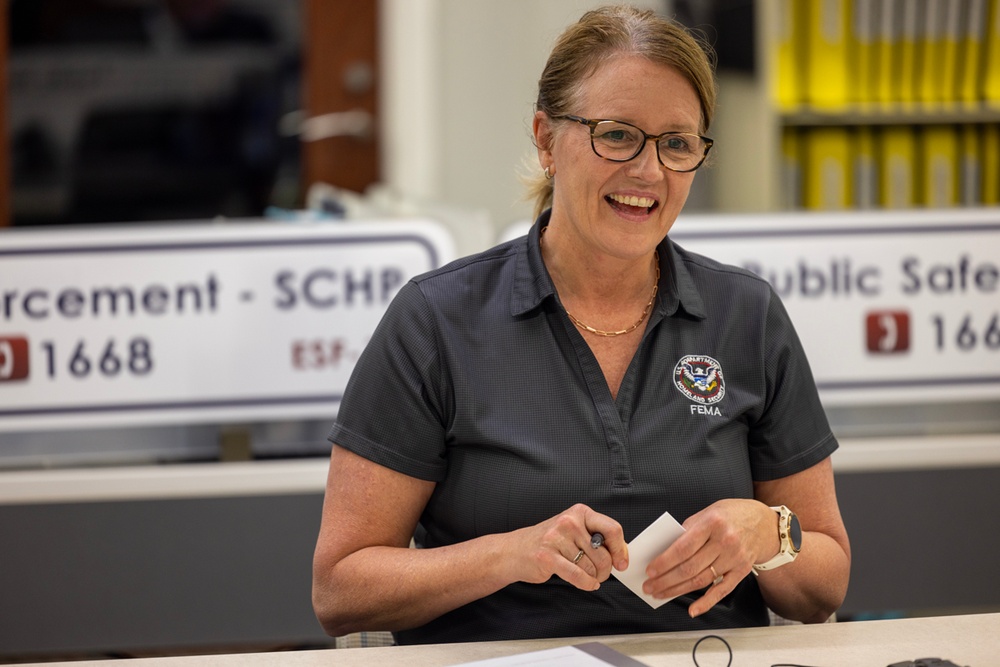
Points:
(596, 540)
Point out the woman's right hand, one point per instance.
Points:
(551, 547)
(365, 577)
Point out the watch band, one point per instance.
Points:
(788, 527)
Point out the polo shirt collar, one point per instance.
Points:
(677, 288)
(532, 284)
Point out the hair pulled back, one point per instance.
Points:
(607, 32)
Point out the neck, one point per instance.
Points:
(602, 295)
(582, 274)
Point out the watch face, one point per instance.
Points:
(795, 532)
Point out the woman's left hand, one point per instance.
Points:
(717, 550)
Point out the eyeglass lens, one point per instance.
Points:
(618, 141)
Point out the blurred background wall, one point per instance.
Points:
(119, 541)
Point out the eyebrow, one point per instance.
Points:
(689, 130)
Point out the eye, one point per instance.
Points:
(615, 133)
(676, 143)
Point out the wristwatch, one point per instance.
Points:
(790, 537)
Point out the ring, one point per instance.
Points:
(718, 577)
(578, 557)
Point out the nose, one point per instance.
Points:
(646, 165)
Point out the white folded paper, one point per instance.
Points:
(647, 545)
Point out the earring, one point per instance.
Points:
(548, 174)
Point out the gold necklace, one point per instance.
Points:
(645, 311)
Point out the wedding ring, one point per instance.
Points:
(718, 577)
(578, 557)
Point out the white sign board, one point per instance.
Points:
(247, 321)
(891, 307)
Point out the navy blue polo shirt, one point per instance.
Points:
(477, 380)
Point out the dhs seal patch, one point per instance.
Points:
(700, 379)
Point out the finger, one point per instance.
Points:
(587, 561)
(718, 578)
(618, 550)
(691, 575)
(683, 566)
(683, 550)
(580, 574)
(613, 538)
(579, 524)
(671, 585)
(582, 557)
(602, 562)
(715, 592)
(597, 561)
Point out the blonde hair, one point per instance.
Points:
(602, 34)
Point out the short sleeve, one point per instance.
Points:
(792, 432)
(392, 412)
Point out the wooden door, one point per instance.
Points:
(340, 61)
(4, 141)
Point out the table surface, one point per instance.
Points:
(968, 640)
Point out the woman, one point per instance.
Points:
(585, 379)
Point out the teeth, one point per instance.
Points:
(643, 202)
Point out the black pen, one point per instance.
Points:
(596, 540)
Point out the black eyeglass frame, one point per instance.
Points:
(593, 123)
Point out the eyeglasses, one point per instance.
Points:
(617, 141)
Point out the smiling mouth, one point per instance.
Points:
(632, 204)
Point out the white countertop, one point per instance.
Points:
(967, 640)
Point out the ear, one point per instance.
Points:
(541, 127)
